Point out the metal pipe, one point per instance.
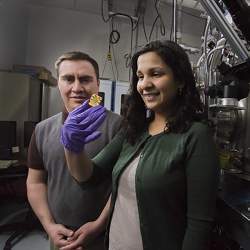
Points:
(214, 11)
(206, 35)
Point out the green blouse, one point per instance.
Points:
(176, 185)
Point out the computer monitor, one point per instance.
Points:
(28, 128)
(124, 103)
(7, 139)
(102, 95)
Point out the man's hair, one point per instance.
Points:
(77, 56)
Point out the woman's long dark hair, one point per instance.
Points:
(187, 106)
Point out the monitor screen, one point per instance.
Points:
(102, 95)
(7, 138)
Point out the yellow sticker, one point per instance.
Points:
(95, 100)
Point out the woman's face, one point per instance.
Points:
(156, 83)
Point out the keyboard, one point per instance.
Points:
(7, 163)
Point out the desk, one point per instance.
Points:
(18, 168)
(13, 182)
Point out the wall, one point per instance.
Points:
(55, 31)
(52, 31)
(13, 33)
(19, 100)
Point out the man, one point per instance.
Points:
(66, 209)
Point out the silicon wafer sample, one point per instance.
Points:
(95, 100)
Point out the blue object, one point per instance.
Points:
(81, 126)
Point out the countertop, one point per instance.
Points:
(233, 207)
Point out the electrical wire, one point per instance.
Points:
(115, 62)
(124, 15)
(152, 28)
(137, 22)
(109, 58)
(162, 26)
(104, 66)
(131, 34)
(158, 17)
(172, 22)
(144, 29)
(114, 36)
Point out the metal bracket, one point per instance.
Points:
(220, 21)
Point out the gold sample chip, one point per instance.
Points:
(95, 100)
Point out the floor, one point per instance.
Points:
(16, 212)
(35, 240)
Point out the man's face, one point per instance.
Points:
(77, 81)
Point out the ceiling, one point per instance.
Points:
(94, 6)
(191, 4)
(129, 7)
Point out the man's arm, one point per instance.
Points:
(37, 196)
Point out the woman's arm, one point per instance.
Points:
(80, 128)
(202, 171)
(79, 165)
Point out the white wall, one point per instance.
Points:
(13, 33)
(19, 100)
(38, 35)
(53, 31)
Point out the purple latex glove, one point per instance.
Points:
(80, 126)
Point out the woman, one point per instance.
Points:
(164, 165)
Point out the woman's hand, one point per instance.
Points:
(81, 125)
(83, 236)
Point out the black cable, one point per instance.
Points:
(132, 27)
(144, 28)
(112, 24)
(158, 17)
(162, 26)
(137, 22)
(122, 14)
(152, 28)
(172, 22)
(116, 68)
(128, 62)
(104, 66)
(113, 70)
(114, 37)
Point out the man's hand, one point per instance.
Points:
(83, 236)
(59, 234)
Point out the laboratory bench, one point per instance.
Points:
(232, 213)
(233, 207)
